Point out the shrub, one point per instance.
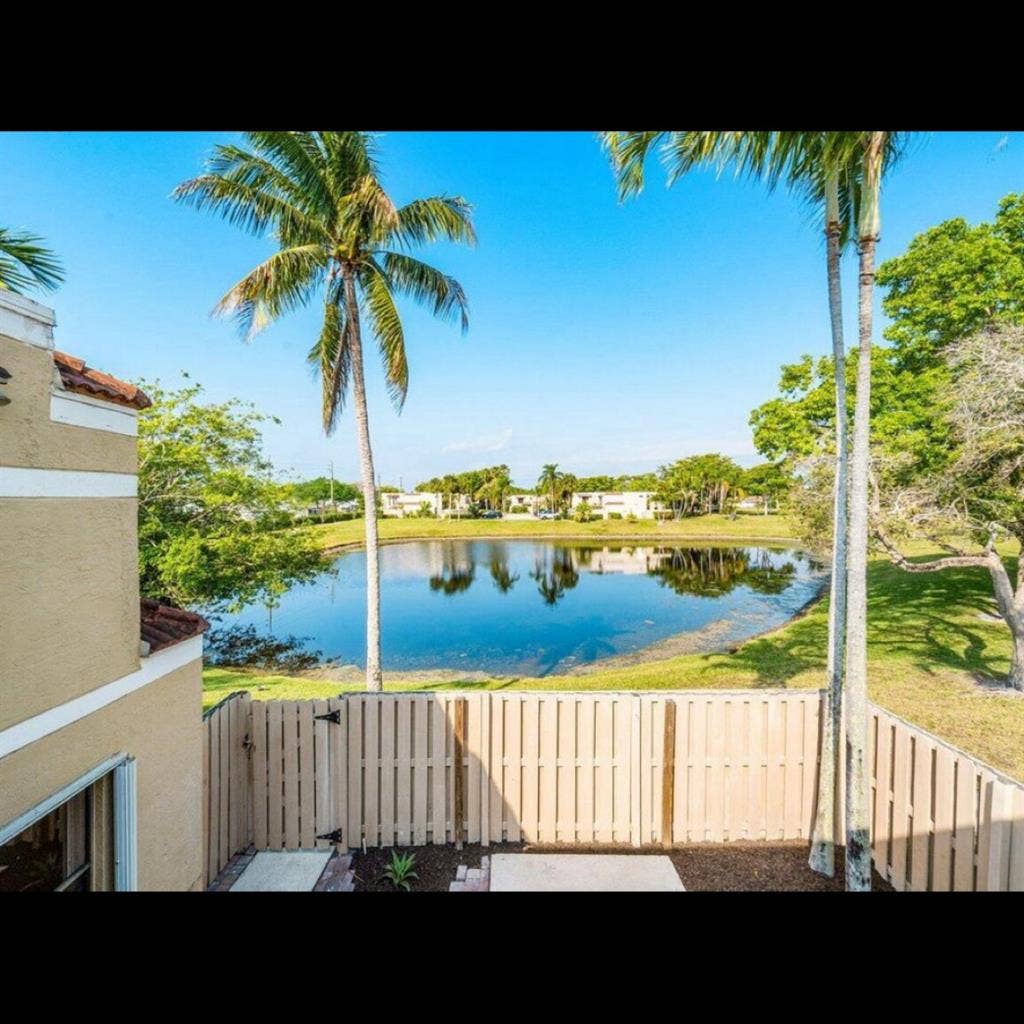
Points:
(631, 518)
(518, 509)
(616, 515)
(400, 870)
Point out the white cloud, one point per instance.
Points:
(481, 445)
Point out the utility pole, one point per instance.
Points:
(332, 482)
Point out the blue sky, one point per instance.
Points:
(607, 338)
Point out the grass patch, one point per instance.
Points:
(717, 527)
(931, 648)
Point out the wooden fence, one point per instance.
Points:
(942, 821)
(585, 768)
(227, 774)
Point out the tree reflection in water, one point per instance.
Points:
(560, 575)
(712, 572)
(458, 570)
(503, 578)
(700, 572)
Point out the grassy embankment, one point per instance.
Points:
(933, 647)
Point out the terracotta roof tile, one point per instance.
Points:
(163, 625)
(84, 380)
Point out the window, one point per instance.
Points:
(82, 839)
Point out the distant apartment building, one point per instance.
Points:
(624, 503)
(411, 503)
(531, 502)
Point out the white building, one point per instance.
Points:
(625, 503)
(410, 503)
(531, 502)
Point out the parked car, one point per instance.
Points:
(547, 515)
(491, 513)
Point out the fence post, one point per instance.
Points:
(668, 774)
(458, 752)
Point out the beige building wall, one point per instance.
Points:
(69, 616)
(69, 599)
(161, 726)
(29, 438)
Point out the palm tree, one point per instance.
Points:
(826, 167)
(25, 263)
(547, 482)
(341, 237)
(875, 152)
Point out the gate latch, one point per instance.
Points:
(331, 716)
(332, 837)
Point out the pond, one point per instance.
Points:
(521, 607)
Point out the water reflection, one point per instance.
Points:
(700, 572)
(504, 578)
(557, 574)
(457, 570)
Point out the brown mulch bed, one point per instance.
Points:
(732, 867)
(435, 865)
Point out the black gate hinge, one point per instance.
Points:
(331, 716)
(332, 837)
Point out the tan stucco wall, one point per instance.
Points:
(161, 726)
(69, 599)
(30, 439)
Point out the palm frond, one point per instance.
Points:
(424, 283)
(298, 155)
(331, 356)
(250, 207)
(628, 152)
(349, 157)
(282, 283)
(25, 263)
(366, 215)
(438, 217)
(387, 327)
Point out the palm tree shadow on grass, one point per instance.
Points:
(919, 617)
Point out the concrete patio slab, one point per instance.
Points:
(582, 872)
(282, 871)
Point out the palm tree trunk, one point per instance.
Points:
(858, 847)
(822, 858)
(374, 679)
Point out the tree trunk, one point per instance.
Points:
(858, 847)
(374, 679)
(822, 858)
(1016, 679)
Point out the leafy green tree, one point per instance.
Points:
(319, 490)
(210, 526)
(979, 493)
(340, 239)
(952, 281)
(698, 485)
(26, 263)
(770, 481)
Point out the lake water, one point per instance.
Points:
(521, 607)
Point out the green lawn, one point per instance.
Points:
(929, 643)
(744, 527)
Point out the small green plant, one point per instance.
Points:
(400, 870)
(631, 518)
(614, 515)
